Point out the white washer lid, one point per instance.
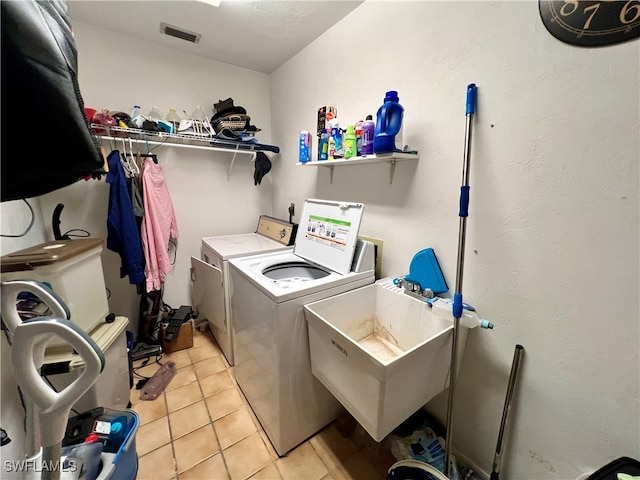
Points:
(328, 233)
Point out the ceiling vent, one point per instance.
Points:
(178, 32)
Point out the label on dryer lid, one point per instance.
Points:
(328, 233)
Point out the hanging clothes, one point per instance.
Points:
(123, 236)
(158, 225)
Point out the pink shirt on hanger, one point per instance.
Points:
(158, 225)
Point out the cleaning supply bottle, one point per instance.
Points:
(336, 135)
(388, 124)
(323, 145)
(368, 131)
(137, 118)
(443, 308)
(154, 114)
(350, 142)
(331, 143)
(304, 148)
(358, 129)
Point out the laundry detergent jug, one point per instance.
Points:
(387, 137)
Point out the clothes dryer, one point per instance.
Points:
(210, 273)
(271, 343)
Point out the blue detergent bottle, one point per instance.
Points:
(388, 124)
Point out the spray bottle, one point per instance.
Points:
(443, 308)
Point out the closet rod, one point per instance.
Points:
(180, 145)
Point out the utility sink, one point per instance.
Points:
(381, 353)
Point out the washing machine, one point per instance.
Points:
(210, 273)
(271, 343)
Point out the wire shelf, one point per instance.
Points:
(185, 139)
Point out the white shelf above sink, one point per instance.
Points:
(390, 158)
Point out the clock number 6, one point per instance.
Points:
(630, 8)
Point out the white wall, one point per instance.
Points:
(115, 73)
(553, 231)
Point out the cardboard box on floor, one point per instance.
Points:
(181, 340)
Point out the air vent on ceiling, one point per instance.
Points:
(178, 32)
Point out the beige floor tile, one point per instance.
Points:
(302, 463)
(234, 427)
(272, 451)
(183, 396)
(270, 472)
(152, 435)
(357, 467)
(211, 469)
(332, 447)
(184, 376)
(209, 367)
(195, 447)
(216, 383)
(198, 354)
(149, 410)
(246, 457)
(224, 403)
(157, 465)
(181, 358)
(188, 419)
(201, 339)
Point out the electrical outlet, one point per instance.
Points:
(378, 249)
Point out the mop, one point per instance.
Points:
(457, 298)
(47, 410)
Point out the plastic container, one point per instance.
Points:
(350, 143)
(368, 131)
(86, 457)
(135, 111)
(154, 114)
(443, 308)
(116, 430)
(174, 118)
(323, 145)
(388, 125)
(304, 147)
(358, 128)
(73, 269)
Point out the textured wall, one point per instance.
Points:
(552, 237)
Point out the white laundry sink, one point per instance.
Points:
(380, 352)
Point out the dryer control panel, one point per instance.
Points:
(278, 230)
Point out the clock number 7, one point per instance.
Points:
(573, 6)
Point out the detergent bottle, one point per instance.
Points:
(387, 137)
(350, 142)
(368, 131)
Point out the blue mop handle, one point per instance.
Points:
(464, 190)
(471, 99)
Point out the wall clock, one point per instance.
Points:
(591, 23)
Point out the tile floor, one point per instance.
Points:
(201, 427)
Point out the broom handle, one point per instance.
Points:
(515, 367)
